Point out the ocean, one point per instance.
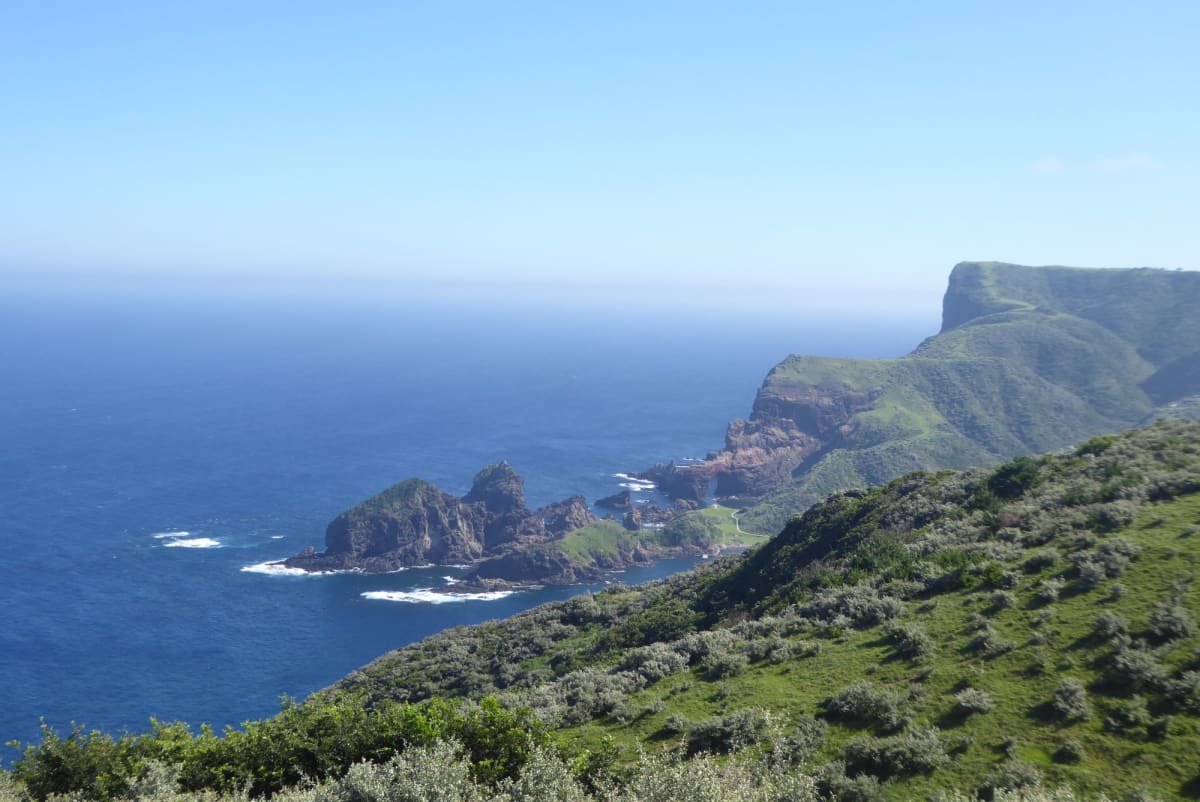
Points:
(159, 446)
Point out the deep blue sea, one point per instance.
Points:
(153, 445)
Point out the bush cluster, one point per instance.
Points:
(864, 704)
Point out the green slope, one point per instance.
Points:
(924, 588)
(1028, 360)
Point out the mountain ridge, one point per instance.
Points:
(1028, 359)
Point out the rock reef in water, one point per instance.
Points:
(414, 523)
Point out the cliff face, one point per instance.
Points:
(415, 523)
(1027, 360)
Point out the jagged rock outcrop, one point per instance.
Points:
(414, 523)
(618, 501)
(1027, 360)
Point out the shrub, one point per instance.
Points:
(990, 643)
(773, 649)
(861, 606)
(438, 773)
(911, 640)
(919, 752)
(833, 784)
(1040, 560)
(1010, 776)
(676, 724)
(863, 703)
(1071, 701)
(725, 664)
(729, 733)
(654, 662)
(1048, 590)
(1070, 751)
(805, 739)
(1184, 691)
(970, 701)
(1134, 670)
(1003, 599)
(1171, 621)
(1109, 625)
(1129, 717)
(1091, 573)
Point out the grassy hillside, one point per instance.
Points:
(1028, 360)
(1032, 625)
(1035, 621)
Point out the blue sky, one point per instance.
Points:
(796, 150)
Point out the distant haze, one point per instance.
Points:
(818, 156)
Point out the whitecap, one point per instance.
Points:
(194, 543)
(276, 569)
(280, 568)
(638, 487)
(276, 537)
(164, 535)
(430, 596)
(450, 580)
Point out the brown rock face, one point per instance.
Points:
(789, 423)
(415, 523)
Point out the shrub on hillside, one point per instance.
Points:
(1129, 717)
(1133, 669)
(862, 703)
(728, 733)
(1171, 621)
(862, 605)
(1071, 701)
(654, 662)
(1070, 751)
(722, 665)
(1048, 590)
(918, 752)
(1012, 775)
(970, 701)
(1040, 561)
(911, 640)
(990, 643)
(803, 741)
(1109, 625)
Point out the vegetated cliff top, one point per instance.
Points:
(968, 630)
(1029, 359)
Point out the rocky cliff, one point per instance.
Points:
(1027, 360)
(415, 523)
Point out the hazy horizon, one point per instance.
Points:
(830, 156)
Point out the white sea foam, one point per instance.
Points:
(276, 537)
(165, 535)
(194, 543)
(638, 487)
(450, 580)
(275, 569)
(430, 596)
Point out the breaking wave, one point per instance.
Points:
(193, 543)
(430, 596)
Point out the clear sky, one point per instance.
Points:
(798, 148)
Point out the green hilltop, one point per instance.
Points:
(1028, 360)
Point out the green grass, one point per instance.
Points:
(801, 685)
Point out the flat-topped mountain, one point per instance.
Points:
(414, 523)
(1028, 359)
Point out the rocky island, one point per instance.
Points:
(415, 523)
